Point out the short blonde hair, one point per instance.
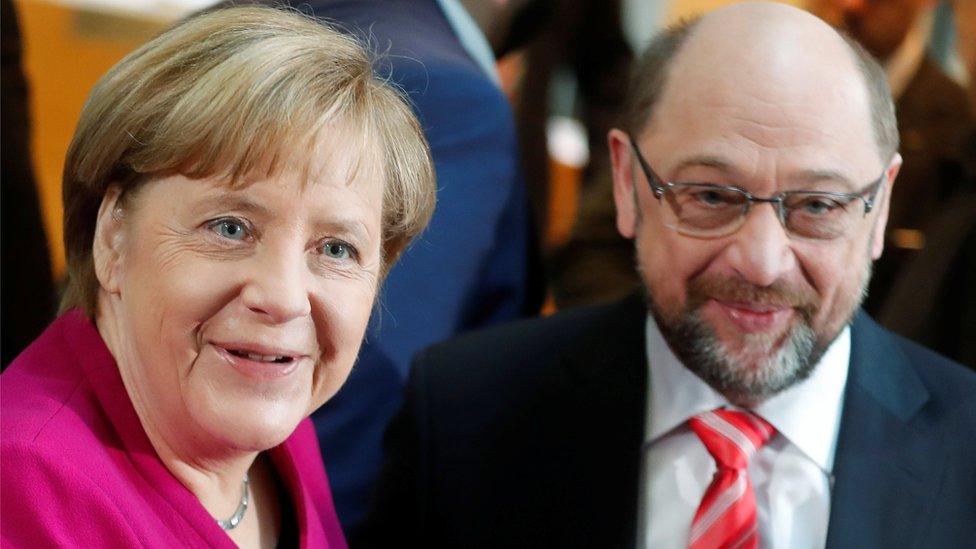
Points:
(228, 93)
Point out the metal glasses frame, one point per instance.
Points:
(659, 186)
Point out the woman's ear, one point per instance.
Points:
(109, 233)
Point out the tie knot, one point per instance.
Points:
(731, 436)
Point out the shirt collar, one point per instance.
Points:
(471, 37)
(807, 414)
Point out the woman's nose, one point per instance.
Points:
(277, 285)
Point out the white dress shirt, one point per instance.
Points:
(791, 474)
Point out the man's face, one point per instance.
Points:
(879, 25)
(752, 312)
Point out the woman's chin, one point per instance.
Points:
(250, 423)
(260, 438)
(259, 435)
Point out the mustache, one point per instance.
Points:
(778, 294)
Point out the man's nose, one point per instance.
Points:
(277, 285)
(760, 250)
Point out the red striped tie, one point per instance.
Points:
(726, 516)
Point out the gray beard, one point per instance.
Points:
(760, 370)
(750, 376)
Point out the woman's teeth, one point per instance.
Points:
(260, 358)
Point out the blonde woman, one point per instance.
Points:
(234, 195)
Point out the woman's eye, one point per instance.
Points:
(337, 250)
(230, 229)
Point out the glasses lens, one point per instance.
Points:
(703, 209)
(819, 215)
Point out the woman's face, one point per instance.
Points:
(240, 311)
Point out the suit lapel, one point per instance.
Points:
(888, 463)
(607, 378)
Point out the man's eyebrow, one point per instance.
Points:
(707, 161)
(827, 176)
(805, 177)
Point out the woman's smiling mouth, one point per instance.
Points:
(257, 361)
(280, 359)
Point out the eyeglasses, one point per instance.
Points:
(710, 211)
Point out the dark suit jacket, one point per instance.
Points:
(529, 435)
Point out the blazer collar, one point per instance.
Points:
(889, 460)
(881, 369)
(102, 371)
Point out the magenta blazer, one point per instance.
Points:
(79, 471)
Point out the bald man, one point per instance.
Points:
(742, 399)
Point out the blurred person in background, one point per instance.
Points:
(477, 263)
(28, 287)
(582, 49)
(965, 18)
(743, 399)
(933, 299)
(933, 121)
(235, 193)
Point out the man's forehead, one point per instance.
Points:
(759, 41)
(772, 74)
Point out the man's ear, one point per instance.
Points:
(622, 160)
(107, 247)
(884, 201)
